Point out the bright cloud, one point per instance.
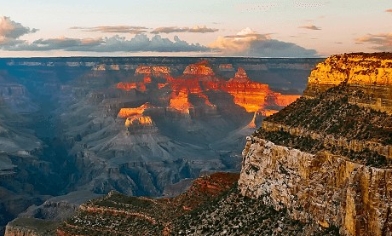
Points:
(249, 43)
(114, 29)
(139, 43)
(310, 27)
(196, 29)
(382, 42)
(11, 31)
(245, 43)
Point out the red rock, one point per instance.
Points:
(199, 78)
(200, 68)
(240, 76)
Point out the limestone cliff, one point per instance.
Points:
(322, 187)
(326, 158)
(370, 72)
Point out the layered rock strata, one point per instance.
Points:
(116, 214)
(199, 80)
(371, 73)
(322, 187)
(326, 158)
(66, 131)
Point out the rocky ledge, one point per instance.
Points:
(326, 158)
(371, 73)
(213, 205)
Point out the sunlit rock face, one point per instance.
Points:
(135, 125)
(152, 110)
(129, 112)
(322, 188)
(134, 116)
(199, 79)
(200, 68)
(179, 101)
(370, 72)
(138, 121)
(326, 157)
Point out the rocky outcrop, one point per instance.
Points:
(240, 76)
(126, 112)
(156, 71)
(118, 214)
(201, 68)
(322, 187)
(199, 79)
(326, 158)
(371, 73)
(30, 227)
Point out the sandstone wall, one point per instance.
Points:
(321, 188)
(372, 73)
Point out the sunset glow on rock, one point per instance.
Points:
(128, 112)
(199, 81)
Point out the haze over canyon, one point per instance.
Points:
(72, 129)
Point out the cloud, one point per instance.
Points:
(196, 29)
(382, 42)
(389, 10)
(11, 31)
(113, 29)
(310, 27)
(139, 43)
(249, 43)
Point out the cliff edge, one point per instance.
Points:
(371, 73)
(326, 158)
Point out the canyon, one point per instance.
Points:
(73, 129)
(320, 166)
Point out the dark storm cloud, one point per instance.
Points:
(196, 29)
(113, 29)
(139, 43)
(382, 42)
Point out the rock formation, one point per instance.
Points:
(326, 158)
(201, 68)
(118, 214)
(370, 72)
(78, 125)
(199, 79)
(156, 71)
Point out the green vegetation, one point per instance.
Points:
(225, 212)
(41, 227)
(331, 113)
(308, 144)
(233, 214)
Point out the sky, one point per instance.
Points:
(263, 28)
